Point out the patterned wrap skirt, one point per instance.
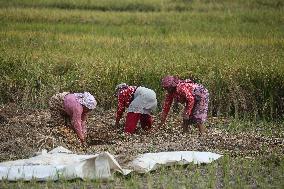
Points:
(57, 111)
(144, 101)
(200, 109)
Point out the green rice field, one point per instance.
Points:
(235, 48)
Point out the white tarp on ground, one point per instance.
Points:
(62, 163)
(151, 161)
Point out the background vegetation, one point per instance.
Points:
(234, 47)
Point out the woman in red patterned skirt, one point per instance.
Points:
(193, 95)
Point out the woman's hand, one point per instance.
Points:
(155, 129)
(186, 117)
(82, 140)
(116, 124)
(161, 123)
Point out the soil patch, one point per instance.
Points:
(24, 132)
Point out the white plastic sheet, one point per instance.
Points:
(61, 163)
(151, 161)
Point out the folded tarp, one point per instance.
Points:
(61, 163)
(151, 161)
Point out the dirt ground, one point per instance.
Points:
(26, 131)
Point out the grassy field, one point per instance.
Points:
(234, 47)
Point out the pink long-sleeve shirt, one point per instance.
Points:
(183, 94)
(78, 117)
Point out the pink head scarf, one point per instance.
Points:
(170, 81)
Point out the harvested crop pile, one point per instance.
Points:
(24, 132)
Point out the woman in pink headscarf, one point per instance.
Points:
(194, 96)
(72, 107)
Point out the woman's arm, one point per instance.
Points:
(166, 107)
(120, 108)
(77, 123)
